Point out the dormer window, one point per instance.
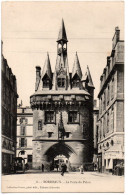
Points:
(76, 83)
(61, 82)
(46, 83)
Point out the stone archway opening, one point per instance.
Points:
(57, 154)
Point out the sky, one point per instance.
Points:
(30, 30)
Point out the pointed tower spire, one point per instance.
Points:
(76, 67)
(87, 77)
(62, 33)
(47, 68)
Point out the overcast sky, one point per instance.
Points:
(30, 30)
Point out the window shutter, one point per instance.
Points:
(19, 142)
(54, 117)
(26, 120)
(25, 142)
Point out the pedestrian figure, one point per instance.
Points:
(15, 167)
(95, 167)
(26, 166)
(42, 167)
(81, 169)
(63, 168)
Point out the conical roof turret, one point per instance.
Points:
(62, 33)
(47, 68)
(76, 67)
(87, 78)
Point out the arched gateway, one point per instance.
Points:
(58, 153)
(59, 149)
(62, 111)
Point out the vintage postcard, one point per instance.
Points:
(62, 96)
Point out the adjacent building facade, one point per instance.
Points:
(95, 132)
(9, 115)
(111, 108)
(25, 134)
(62, 111)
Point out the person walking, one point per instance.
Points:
(81, 169)
(63, 168)
(42, 167)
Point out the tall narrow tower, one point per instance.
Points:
(62, 112)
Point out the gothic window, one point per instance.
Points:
(61, 82)
(46, 83)
(73, 117)
(40, 125)
(49, 117)
(76, 83)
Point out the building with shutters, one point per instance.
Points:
(111, 108)
(25, 134)
(9, 115)
(62, 111)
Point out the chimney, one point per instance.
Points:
(38, 75)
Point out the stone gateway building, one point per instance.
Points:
(62, 112)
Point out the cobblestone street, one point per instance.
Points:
(71, 182)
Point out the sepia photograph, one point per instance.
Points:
(62, 103)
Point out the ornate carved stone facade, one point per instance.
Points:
(62, 111)
(111, 108)
(9, 115)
